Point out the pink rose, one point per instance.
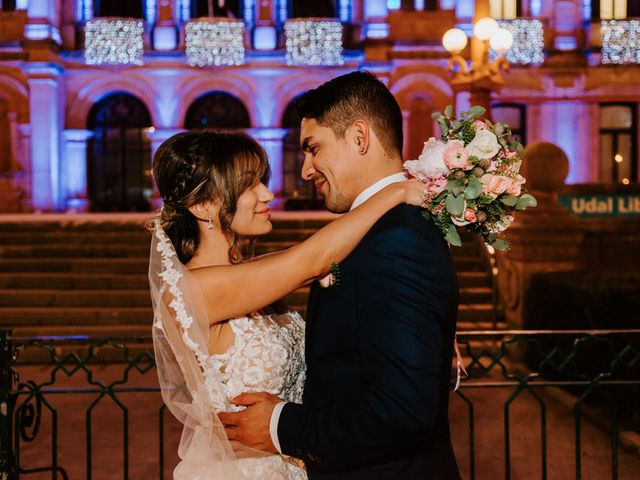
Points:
(456, 156)
(495, 185)
(470, 215)
(436, 186)
(515, 185)
(480, 125)
(327, 281)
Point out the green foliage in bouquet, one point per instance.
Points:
(472, 177)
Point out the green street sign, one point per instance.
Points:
(601, 205)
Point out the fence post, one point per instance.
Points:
(7, 460)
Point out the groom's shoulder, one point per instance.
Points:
(405, 219)
(405, 224)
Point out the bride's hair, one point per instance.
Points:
(200, 165)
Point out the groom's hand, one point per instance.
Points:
(251, 426)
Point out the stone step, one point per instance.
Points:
(133, 237)
(78, 265)
(12, 317)
(73, 281)
(97, 281)
(70, 298)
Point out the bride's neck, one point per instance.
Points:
(213, 250)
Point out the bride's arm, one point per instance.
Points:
(232, 291)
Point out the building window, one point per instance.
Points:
(614, 9)
(119, 156)
(8, 5)
(118, 8)
(505, 9)
(306, 9)
(618, 140)
(217, 110)
(216, 8)
(514, 115)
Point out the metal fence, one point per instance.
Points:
(51, 389)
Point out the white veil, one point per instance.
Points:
(191, 390)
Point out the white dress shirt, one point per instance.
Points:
(365, 195)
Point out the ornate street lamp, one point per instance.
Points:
(483, 76)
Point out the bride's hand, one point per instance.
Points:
(413, 192)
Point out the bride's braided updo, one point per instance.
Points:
(197, 166)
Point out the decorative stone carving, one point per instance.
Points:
(543, 239)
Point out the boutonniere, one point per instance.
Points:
(333, 278)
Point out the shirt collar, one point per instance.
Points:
(369, 192)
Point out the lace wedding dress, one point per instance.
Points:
(267, 355)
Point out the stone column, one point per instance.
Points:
(156, 136)
(45, 104)
(74, 169)
(543, 239)
(271, 140)
(165, 33)
(266, 18)
(406, 117)
(43, 20)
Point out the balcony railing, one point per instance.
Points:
(620, 41)
(313, 41)
(533, 400)
(528, 41)
(114, 40)
(214, 41)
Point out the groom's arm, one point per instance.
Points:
(404, 295)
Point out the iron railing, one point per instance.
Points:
(595, 374)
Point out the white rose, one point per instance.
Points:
(430, 163)
(484, 145)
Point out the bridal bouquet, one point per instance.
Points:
(471, 176)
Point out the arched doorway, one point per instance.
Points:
(119, 169)
(217, 110)
(301, 194)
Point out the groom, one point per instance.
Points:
(379, 344)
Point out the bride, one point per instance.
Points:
(218, 328)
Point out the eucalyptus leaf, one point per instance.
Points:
(454, 204)
(456, 187)
(500, 244)
(498, 129)
(436, 115)
(440, 197)
(476, 111)
(448, 111)
(525, 201)
(509, 200)
(452, 236)
(443, 126)
(474, 189)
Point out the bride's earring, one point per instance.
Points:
(210, 224)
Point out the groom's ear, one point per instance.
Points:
(359, 136)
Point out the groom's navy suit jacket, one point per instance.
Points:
(378, 350)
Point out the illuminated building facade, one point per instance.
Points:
(89, 89)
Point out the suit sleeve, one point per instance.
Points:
(403, 299)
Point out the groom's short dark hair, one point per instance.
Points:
(341, 101)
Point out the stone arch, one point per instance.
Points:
(427, 84)
(233, 85)
(16, 95)
(296, 86)
(80, 105)
(217, 109)
(420, 94)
